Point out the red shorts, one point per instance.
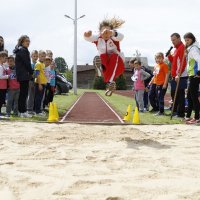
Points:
(113, 66)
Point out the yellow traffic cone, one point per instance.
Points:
(127, 117)
(56, 115)
(136, 117)
(51, 113)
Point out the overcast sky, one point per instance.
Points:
(148, 26)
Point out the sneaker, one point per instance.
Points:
(159, 114)
(7, 115)
(186, 119)
(193, 121)
(25, 115)
(153, 110)
(31, 113)
(41, 114)
(110, 88)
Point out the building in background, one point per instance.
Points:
(86, 73)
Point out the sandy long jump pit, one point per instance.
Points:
(90, 162)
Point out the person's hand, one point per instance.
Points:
(164, 86)
(40, 87)
(88, 34)
(176, 78)
(106, 34)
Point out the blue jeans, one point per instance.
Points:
(39, 94)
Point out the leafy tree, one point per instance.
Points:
(99, 83)
(121, 82)
(62, 66)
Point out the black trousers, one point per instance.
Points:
(153, 98)
(179, 106)
(160, 92)
(193, 102)
(22, 107)
(2, 97)
(49, 94)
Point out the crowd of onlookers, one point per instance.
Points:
(181, 71)
(27, 81)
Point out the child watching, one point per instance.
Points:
(3, 79)
(13, 88)
(40, 83)
(161, 76)
(31, 91)
(51, 76)
(138, 78)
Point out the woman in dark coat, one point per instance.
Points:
(24, 72)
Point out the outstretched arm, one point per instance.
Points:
(89, 37)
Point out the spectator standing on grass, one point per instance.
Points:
(31, 91)
(24, 73)
(51, 83)
(3, 79)
(138, 78)
(161, 80)
(13, 89)
(176, 61)
(193, 69)
(40, 83)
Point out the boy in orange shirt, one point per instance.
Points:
(161, 76)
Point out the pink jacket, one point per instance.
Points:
(3, 78)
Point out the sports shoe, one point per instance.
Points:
(25, 115)
(187, 119)
(7, 115)
(31, 113)
(41, 114)
(159, 114)
(193, 121)
(110, 88)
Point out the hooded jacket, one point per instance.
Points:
(24, 69)
(193, 60)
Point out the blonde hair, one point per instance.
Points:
(34, 52)
(159, 54)
(42, 52)
(113, 23)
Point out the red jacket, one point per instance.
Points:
(176, 61)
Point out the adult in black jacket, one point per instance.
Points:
(24, 72)
(1, 43)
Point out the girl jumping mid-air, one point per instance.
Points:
(108, 46)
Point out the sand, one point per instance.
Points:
(40, 161)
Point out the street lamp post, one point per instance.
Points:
(75, 46)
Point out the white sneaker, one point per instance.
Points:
(32, 113)
(41, 114)
(25, 115)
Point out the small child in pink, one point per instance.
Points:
(138, 78)
(13, 89)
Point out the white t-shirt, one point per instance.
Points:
(47, 74)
